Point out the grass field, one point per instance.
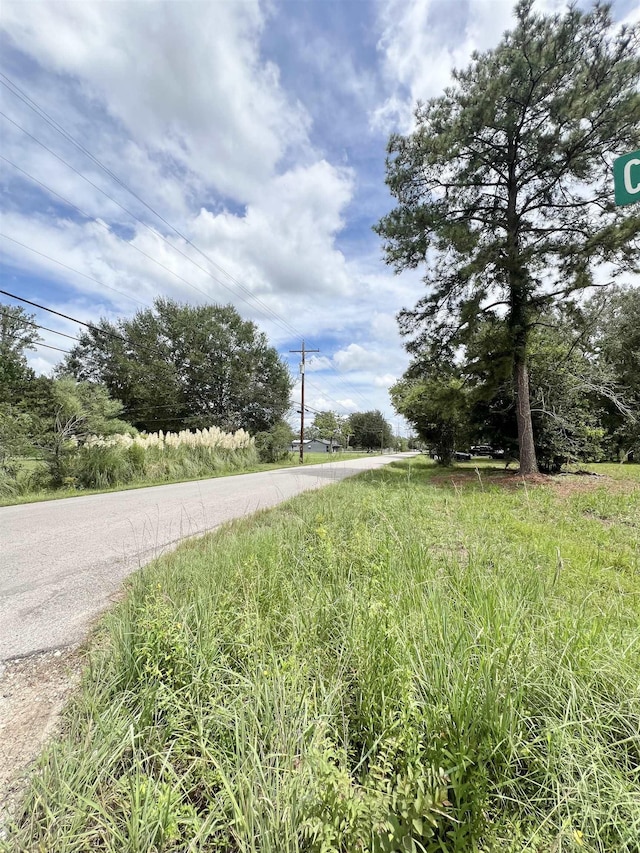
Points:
(55, 494)
(408, 661)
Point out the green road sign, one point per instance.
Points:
(626, 178)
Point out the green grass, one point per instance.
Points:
(31, 465)
(396, 663)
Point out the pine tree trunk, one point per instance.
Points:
(519, 327)
(528, 461)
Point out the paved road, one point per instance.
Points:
(62, 562)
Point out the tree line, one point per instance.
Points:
(363, 430)
(170, 368)
(584, 374)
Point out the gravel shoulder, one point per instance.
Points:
(33, 692)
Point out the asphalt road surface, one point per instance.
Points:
(62, 562)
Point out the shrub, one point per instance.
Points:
(16, 479)
(8, 482)
(273, 445)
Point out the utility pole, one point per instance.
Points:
(302, 352)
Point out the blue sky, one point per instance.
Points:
(256, 129)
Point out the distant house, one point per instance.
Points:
(317, 445)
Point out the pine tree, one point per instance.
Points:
(504, 188)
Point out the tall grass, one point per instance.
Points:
(121, 459)
(388, 665)
(20, 478)
(212, 438)
(95, 472)
(103, 466)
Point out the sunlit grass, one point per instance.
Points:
(256, 467)
(399, 662)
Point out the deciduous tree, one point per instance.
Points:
(17, 335)
(370, 430)
(177, 366)
(609, 333)
(438, 408)
(327, 425)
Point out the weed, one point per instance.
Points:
(391, 665)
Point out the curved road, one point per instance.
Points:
(63, 561)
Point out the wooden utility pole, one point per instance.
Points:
(302, 352)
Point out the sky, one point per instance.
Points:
(227, 151)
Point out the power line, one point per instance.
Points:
(116, 336)
(275, 317)
(35, 107)
(107, 332)
(332, 399)
(60, 314)
(131, 410)
(348, 386)
(71, 269)
(102, 225)
(303, 407)
(172, 405)
(48, 346)
(93, 328)
(97, 329)
(21, 95)
(44, 328)
(307, 408)
(91, 278)
(345, 382)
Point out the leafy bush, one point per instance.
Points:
(274, 445)
(14, 433)
(137, 458)
(16, 479)
(8, 482)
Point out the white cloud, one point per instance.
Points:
(421, 41)
(384, 327)
(316, 363)
(284, 242)
(199, 126)
(384, 381)
(633, 16)
(185, 81)
(179, 101)
(356, 357)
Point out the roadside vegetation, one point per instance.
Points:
(413, 660)
(158, 470)
(97, 425)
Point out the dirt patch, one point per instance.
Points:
(563, 484)
(505, 479)
(571, 484)
(33, 691)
